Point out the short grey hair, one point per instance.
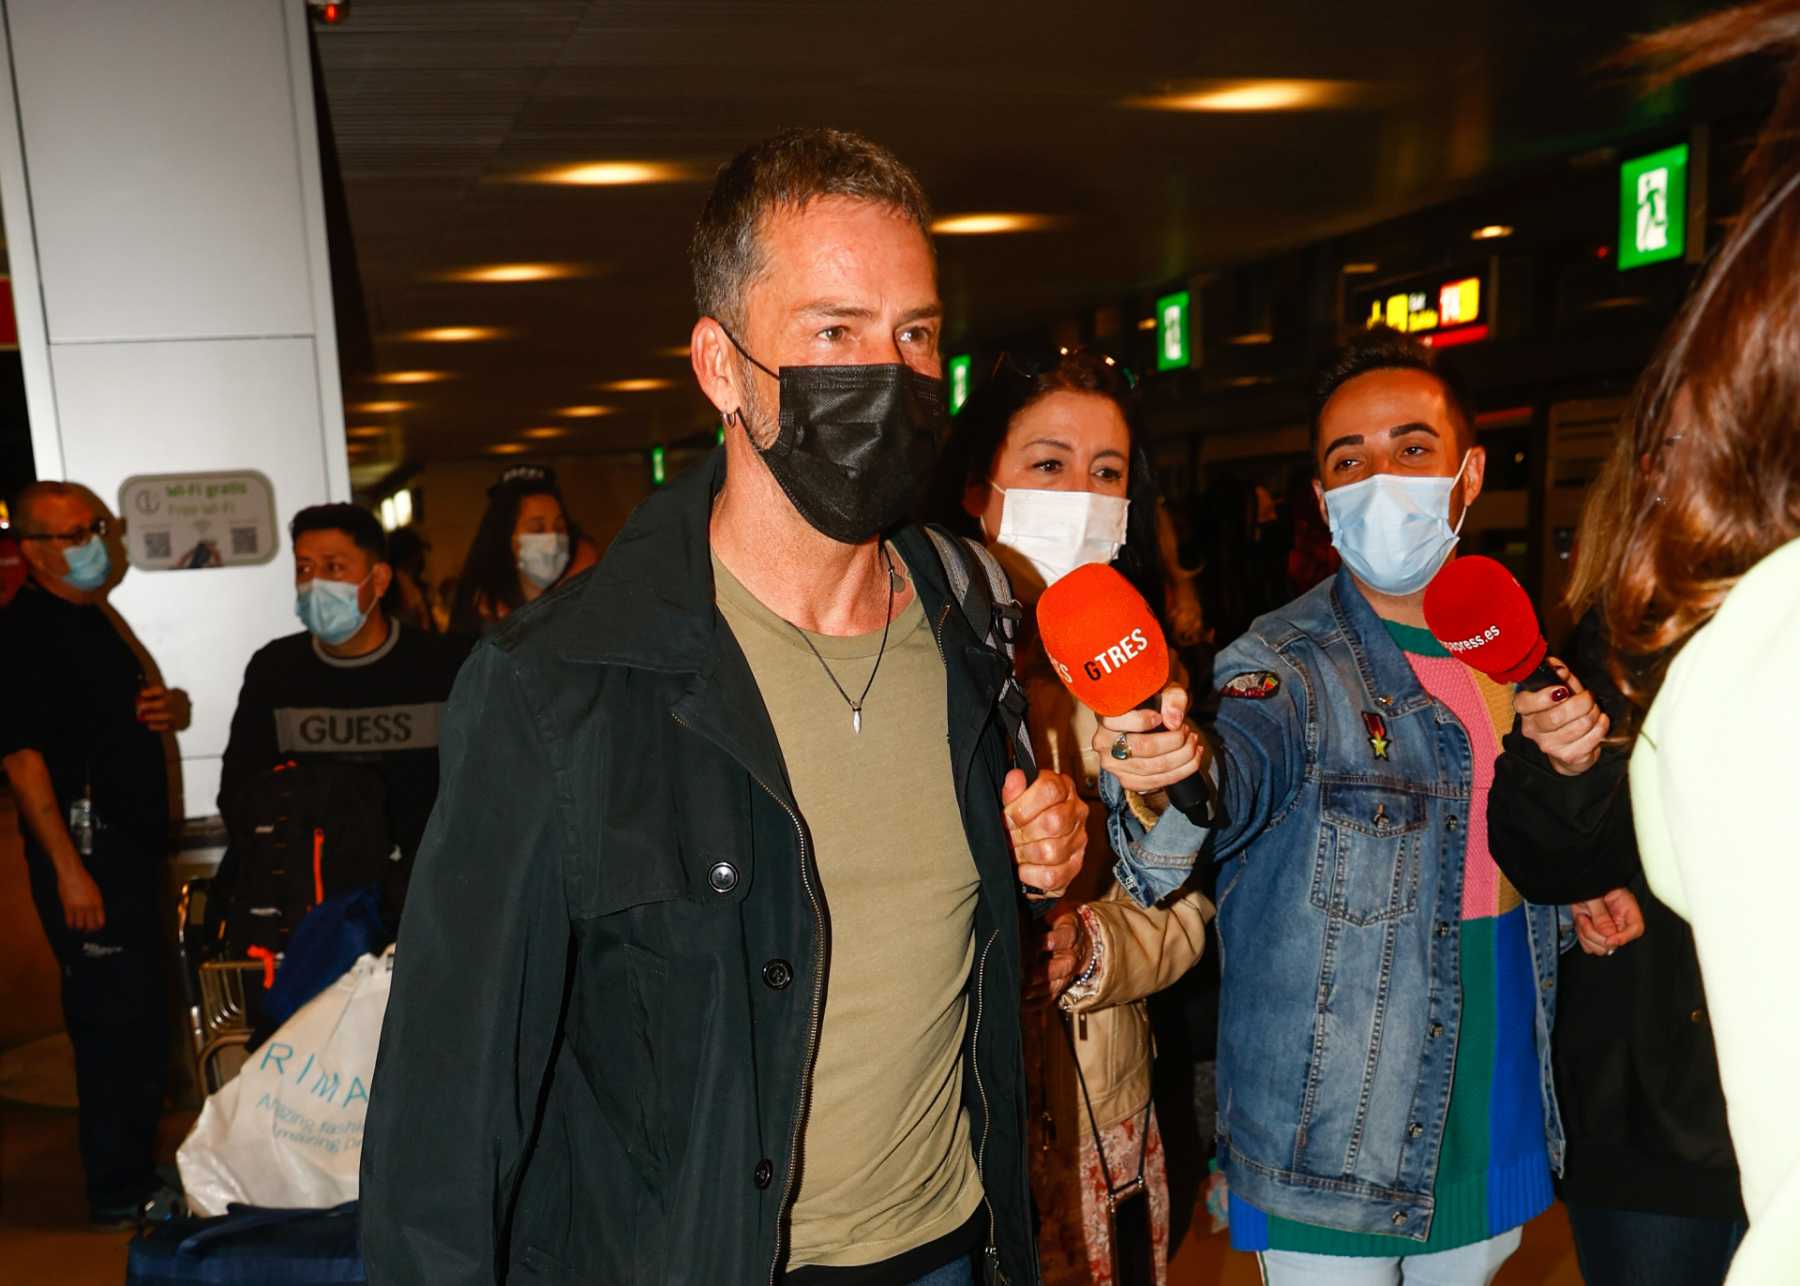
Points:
(788, 172)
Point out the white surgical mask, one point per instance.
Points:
(1058, 531)
(1394, 531)
(542, 556)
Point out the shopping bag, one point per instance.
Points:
(287, 1131)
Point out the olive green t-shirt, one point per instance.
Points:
(886, 1164)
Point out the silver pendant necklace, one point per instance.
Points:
(857, 705)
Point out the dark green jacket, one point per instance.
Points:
(609, 979)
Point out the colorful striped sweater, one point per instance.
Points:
(1494, 1170)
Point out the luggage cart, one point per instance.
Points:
(221, 994)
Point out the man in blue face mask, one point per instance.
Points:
(1386, 1111)
(355, 687)
(80, 737)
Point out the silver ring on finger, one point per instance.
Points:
(1121, 749)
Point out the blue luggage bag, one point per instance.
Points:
(251, 1246)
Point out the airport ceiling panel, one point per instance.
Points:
(1153, 139)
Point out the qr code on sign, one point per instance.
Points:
(243, 540)
(156, 545)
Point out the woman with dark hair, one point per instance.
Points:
(1702, 606)
(966, 497)
(1043, 467)
(525, 544)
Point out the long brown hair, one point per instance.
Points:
(1709, 479)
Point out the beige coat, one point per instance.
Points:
(1143, 949)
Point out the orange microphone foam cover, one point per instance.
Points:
(1483, 616)
(1103, 639)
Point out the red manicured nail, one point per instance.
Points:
(1561, 694)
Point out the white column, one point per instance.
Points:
(159, 174)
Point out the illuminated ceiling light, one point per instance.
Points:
(547, 431)
(987, 223)
(1362, 269)
(583, 412)
(412, 377)
(381, 408)
(501, 274)
(638, 386)
(674, 350)
(1491, 232)
(453, 334)
(1149, 323)
(367, 431)
(506, 448)
(1252, 337)
(1252, 96)
(608, 174)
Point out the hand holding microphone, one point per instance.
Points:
(1482, 615)
(1565, 722)
(1106, 646)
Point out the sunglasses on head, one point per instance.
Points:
(1036, 363)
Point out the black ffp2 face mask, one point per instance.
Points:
(854, 444)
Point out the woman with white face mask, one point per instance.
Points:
(1041, 467)
(526, 544)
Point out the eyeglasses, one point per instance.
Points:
(1036, 363)
(74, 536)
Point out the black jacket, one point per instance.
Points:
(609, 979)
(1636, 1073)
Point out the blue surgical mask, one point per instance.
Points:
(328, 608)
(543, 555)
(1394, 531)
(89, 565)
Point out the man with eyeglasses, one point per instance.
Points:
(81, 740)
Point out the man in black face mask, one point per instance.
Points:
(720, 925)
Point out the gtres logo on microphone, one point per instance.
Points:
(1118, 655)
(1488, 635)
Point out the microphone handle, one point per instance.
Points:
(1542, 677)
(1193, 795)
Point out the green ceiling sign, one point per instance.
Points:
(958, 375)
(1653, 208)
(1172, 335)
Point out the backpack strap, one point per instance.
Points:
(983, 592)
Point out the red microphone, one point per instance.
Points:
(1482, 616)
(1103, 639)
(1106, 645)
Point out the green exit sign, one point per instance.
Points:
(1653, 208)
(1173, 341)
(957, 373)
(659, 470)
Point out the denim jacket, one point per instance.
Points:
(1339, 909)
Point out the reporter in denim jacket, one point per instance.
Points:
(1386, 1109)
